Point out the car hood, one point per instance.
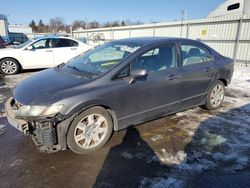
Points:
(48, 87)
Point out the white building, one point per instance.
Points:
(3, 26)
(232, 7)
(16, 28)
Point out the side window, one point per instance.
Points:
(157, 59)
(192, 54)
(73, 43)
(41, 44)
(60, 43)
(152, 52)
(124, 72)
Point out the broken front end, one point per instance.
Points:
(45, 125)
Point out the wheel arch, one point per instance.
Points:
(21, 67)
(224, 81)
(79, 109)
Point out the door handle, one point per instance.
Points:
(48, 51)
(73, 48)
(172, 77)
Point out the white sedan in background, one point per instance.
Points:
(43, 52)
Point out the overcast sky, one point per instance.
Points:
(23, 11)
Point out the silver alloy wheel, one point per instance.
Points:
(217, 96)
(91, 131)
(9, 67)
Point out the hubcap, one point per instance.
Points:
(217, 96)
(9, 67)
(91, 131)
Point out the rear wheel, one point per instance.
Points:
(90, 130)
(9, 66)
(215, 95)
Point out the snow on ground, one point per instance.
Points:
(218, 140)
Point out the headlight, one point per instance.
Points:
(33, 111)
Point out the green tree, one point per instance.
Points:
(33, 26)
(41, 28)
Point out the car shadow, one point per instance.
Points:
(127, 163)
(218, 145)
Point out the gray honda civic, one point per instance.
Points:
(78, 104)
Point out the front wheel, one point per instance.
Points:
(215, 95)
(90, 130)
(9, 66)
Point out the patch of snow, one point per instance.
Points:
(2, 129)
(157, 138)
(16, 162)
(169, 158)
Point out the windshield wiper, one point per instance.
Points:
(61, 65)
(86, 73)
(74, 67)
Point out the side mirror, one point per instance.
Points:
(29, 48)
(138, 74)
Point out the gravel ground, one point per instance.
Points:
(194, 148)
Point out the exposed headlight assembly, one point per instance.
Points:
(34, 111)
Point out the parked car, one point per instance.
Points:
(2, 43)
(40, 53)
(118, 84)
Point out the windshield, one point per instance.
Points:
(23, 44)
(102, 58)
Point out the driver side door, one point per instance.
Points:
(41, 55)
(153, 96)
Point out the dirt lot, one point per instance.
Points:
(195, 148)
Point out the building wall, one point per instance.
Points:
(20, 29)
(3, 28)
(229, 35)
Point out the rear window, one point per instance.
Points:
(60, 43)
(193, 54)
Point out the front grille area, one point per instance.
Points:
(46, 134)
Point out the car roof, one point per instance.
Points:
(53, 37)
(153, 40)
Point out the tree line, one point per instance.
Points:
(57, 24)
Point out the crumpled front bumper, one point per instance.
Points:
(49, 135)
(19, 124)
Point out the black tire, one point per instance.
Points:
(72, 143)
(13, 70)
(210, 105)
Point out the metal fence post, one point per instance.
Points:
(187, 33)
(154, 30)
(237, 39)
(129, 31)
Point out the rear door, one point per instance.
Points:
(155, 95)
(64, 50)
(197, 73)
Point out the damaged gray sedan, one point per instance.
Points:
(79, 104)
